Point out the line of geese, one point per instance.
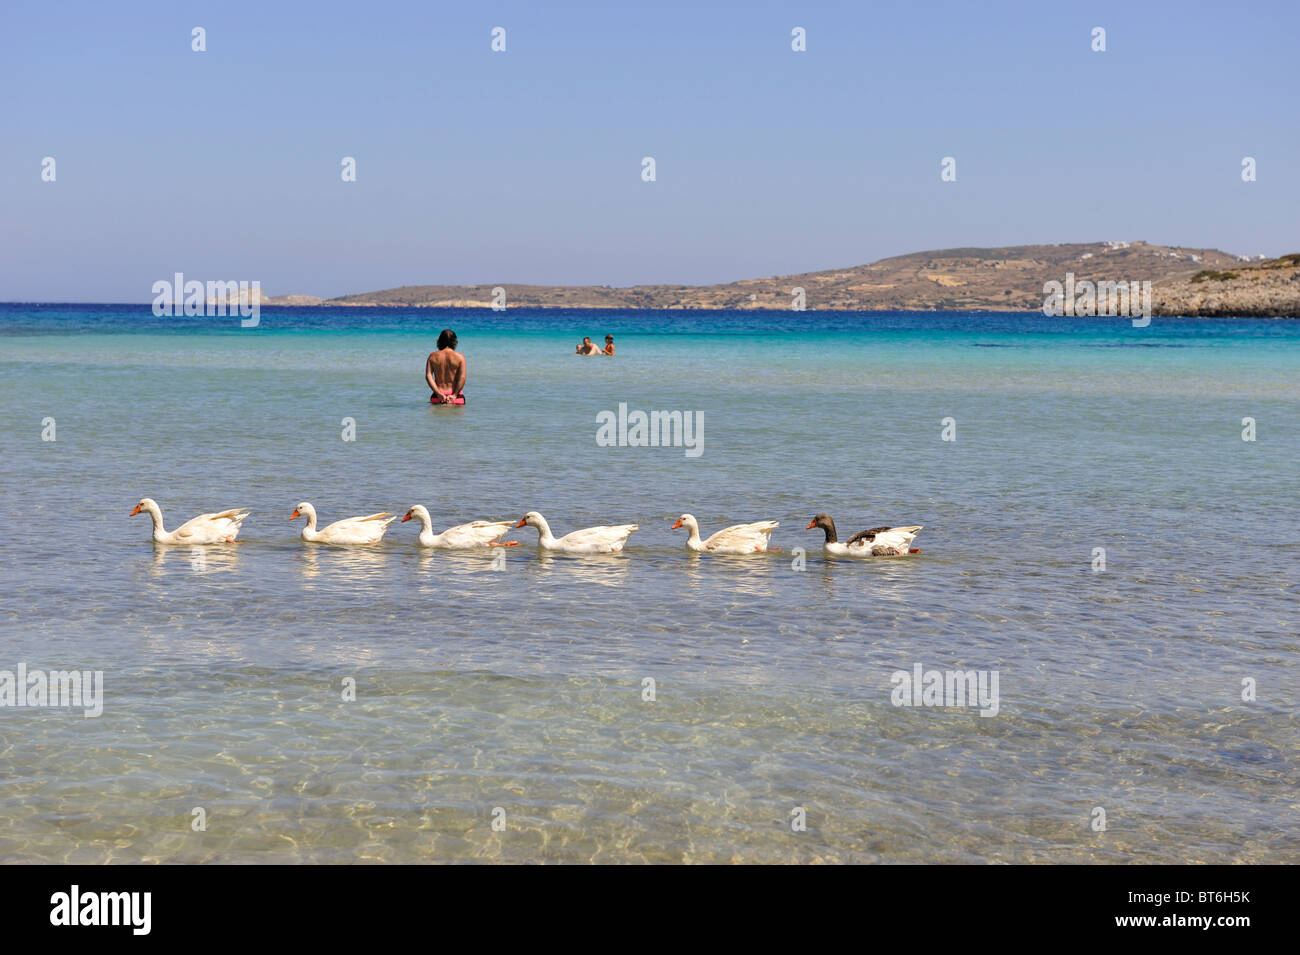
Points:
(223, 527)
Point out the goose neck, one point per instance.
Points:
(155, 515)
(829, 529)
(544, 530)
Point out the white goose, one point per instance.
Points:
(734, 540)
(589, 540)
(218, 528)
(351, 530)
(881, 541)
(473, 534)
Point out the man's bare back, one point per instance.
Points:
(446, 371)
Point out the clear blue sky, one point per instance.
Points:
(524, 166)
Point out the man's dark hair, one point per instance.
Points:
(447, 339)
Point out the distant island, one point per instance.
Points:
(1184, 281)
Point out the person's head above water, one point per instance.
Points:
(447, 339)
(587, 340)
(609, 338)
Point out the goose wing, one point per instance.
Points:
(598, 536)
(370, 517)
(743, 536)
(476, 532)
(206, 528)
(357, 530)
(885, 541)
(235, 514)
(869, 535)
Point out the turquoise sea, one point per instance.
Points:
(518, 695)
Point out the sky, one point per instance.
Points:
(525, 166)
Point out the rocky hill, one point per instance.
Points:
(1183, 280)
(1271, 287)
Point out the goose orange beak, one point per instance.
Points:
(811, 525)
(295, 515)
(406, 518)
(134, 511)
(522, 522)
(677, 525)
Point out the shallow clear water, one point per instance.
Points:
(521, 688)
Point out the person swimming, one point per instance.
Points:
(609, 346)
(588, 347)
(446, 371)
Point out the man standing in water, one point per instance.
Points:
(445, 372)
